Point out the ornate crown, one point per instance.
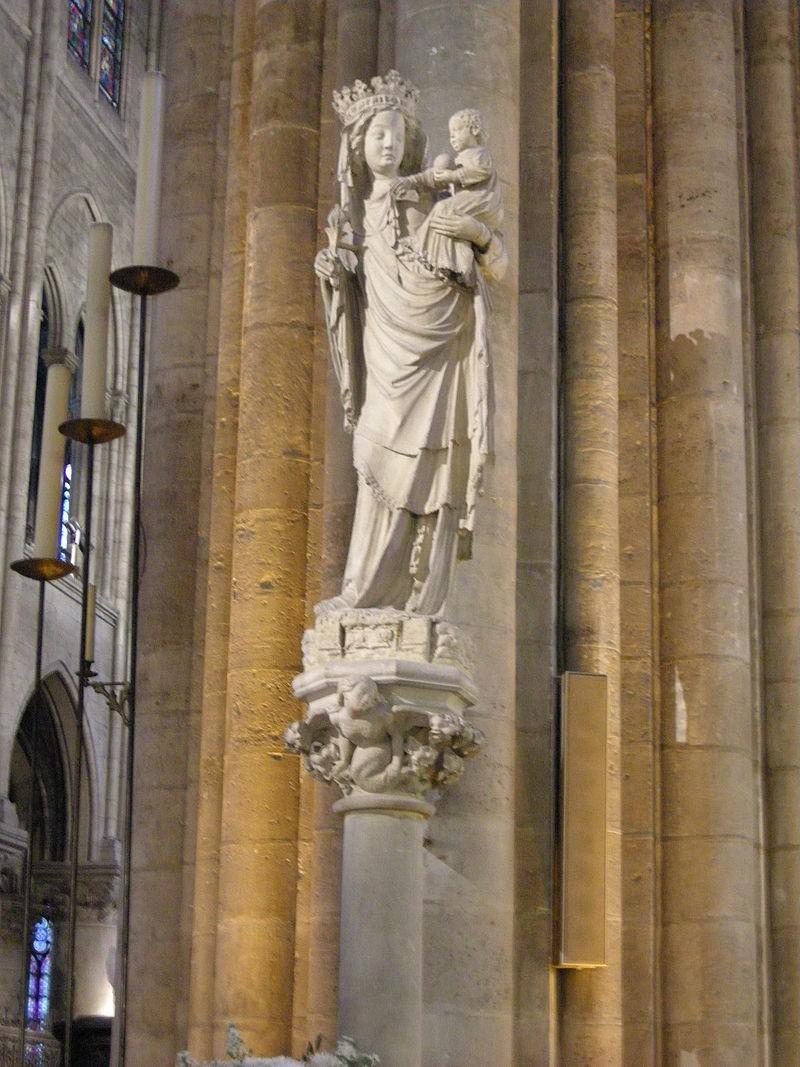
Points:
(388, 93)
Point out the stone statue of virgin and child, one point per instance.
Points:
(404, 282)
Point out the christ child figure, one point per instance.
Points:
(473, 183)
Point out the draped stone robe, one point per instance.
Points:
(411, 354)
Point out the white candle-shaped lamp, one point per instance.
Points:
(51, 464)
(91, 610)
(148, 171)
(98, 304)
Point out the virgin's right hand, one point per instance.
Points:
(327, 266)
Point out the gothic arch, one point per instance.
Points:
(56, 754)
(53, 288)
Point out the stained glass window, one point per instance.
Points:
(111, 49)
(79, 30)
(39, 967)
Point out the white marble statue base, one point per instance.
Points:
(408, 656)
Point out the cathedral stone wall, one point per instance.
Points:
(639, 519)
(67, 158)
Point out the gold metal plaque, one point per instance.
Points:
(582, 852)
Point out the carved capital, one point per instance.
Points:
(118, 405)
(13, 846)
(46, 1049)
(97, 888)
(61, 357)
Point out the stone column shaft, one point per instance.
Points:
(29, 174)
(258, 843)
(639, 704)
(772, 44)
(467, 55)
(220, 549)
(171, 597)
(380, 961)
(708, 892)
(591, 1000)
(331, 502)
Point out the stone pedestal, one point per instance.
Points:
(387, 693)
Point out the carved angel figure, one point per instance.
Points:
(367, 746)
(411, 353)
(370, 742)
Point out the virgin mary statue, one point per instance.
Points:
(411, 355)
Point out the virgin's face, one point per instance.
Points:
(385, 142)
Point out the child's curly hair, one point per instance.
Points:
(471, 117)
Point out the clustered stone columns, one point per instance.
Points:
(591, 1000)
(709, 890)
(772, 87)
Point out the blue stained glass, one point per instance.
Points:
(66, 499)
(79, 30)
(38, 1000)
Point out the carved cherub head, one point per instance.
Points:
(358, 695)
(466, 129)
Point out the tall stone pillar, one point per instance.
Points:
(591, 1000)
(178, 358)
(467, 55)
(772, 51)
(254, 960)
(708, 899)
(220, 546)
(640, 739)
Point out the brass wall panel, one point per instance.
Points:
(582, 853)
